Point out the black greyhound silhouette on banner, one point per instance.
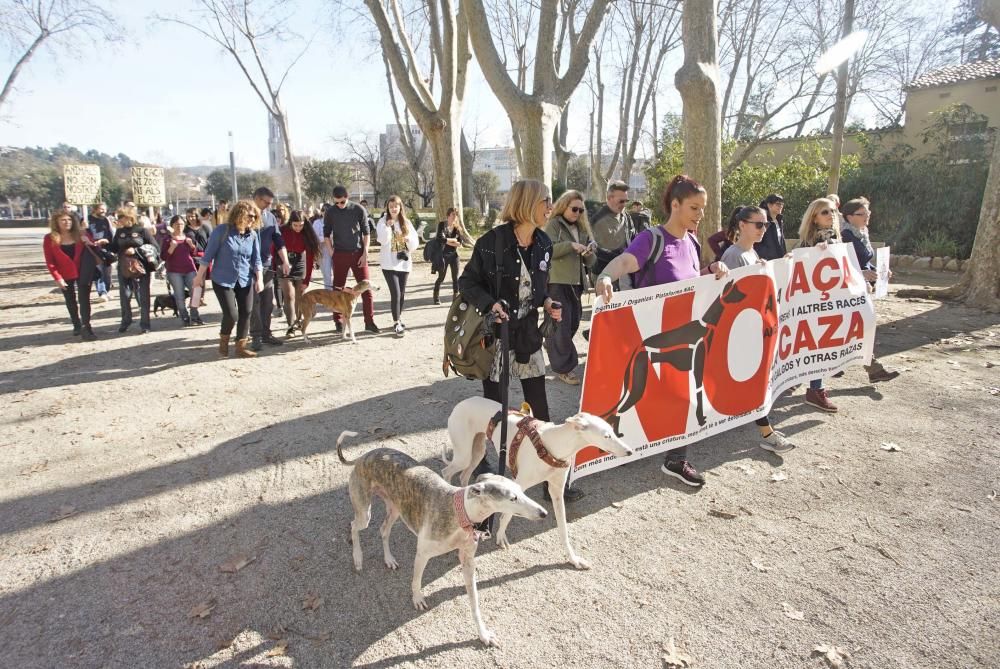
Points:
(685, 349)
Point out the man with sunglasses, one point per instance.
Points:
(612, 226)
(346, 237)
(263, 301)
(772, 246)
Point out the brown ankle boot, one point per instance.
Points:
(243, 350)
(877, 373)
(224, 346)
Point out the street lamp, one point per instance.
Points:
(232, 167)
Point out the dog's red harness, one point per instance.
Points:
(527, 426)
(463, 516)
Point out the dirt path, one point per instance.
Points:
(136, 466)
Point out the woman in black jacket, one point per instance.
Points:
(527, 254)
(450, 234)
(772, 246)
(129, 236)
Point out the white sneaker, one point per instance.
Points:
(398, 329)
(776, 443)
(105, 298)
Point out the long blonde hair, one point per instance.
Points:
(401, 218)
(562, 204)
(74, 228)
(521, 201)
(239, 216)
(807, 231)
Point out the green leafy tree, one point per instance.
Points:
(484, 186)
(320, 176)
(219, 185)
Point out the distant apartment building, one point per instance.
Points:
(501, 161)
(390, 142)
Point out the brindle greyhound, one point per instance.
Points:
(684, 348)
(441, 515)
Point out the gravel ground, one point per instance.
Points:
(139, 469)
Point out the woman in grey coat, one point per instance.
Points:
(573, 251)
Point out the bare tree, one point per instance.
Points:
(840, 107)
(244, 29)
(535, 113)
(28, 25)
(415, 149)
(362, 148)
(698, 83)
(439, 117)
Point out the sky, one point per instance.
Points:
(168, 96)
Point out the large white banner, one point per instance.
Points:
(670, 365)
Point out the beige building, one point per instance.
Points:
(974, 84)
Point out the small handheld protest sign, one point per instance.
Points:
(82, 183)
(882, 267)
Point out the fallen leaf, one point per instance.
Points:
(988, 365)
(675, 659)
(779, 476)
(202, 610)
(64, 512)
(41, 547)
(35, 468)
(617, 505)
(836, 657)
(759, 566)
(890, 446)
(312, 602)
(280, 647)
(791, 612)
(992, 496)
(235, 563)
(721, 514)
(746, 469)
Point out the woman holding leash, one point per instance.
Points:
(450, 234)
(64, 251)
(680, 259)
(178, 252)
(237, 273)
(129, 236)
(749, 224)
(302, 246)
(523, 286)
(398, 242)
(573, 252)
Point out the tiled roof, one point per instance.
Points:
(953, 74)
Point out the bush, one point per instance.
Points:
(936, 244)
(472, 218)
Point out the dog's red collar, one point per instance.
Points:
(463, 516)
(527, 427)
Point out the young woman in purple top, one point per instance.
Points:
(685, 199)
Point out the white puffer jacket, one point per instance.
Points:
(387, 256)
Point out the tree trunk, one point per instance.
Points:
(16, 70)
(446, 149)
(468, 161)
(840, 107)
(292, 165)
(538, 123)
(562, 153)
(698, 83)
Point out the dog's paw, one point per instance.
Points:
(419, 602)
(502, 541)
(579, 562)
(488, 638)
(391, 563)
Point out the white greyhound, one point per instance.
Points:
(547, 457)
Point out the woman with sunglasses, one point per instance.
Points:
(237, 273)
(572, 254)
(749, 224)
(857, 215)
(819, 228)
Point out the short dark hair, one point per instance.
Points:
(851, 207)
(364, 201)
(339, 191)
(205, 211)
(773, 198)
(263, 191)
(617, 185)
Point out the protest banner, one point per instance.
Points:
(148, 186)
(882, 267)
(671, 365)
(82, 183)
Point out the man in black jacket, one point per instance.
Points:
(100, 229)
(772, 245)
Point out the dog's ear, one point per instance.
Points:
(478, 488)
(578, 422)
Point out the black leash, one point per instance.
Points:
(504, 395)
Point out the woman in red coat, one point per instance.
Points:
(302, 246)
(64, 249)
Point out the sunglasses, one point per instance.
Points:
(340, 201)
(252, 217)
(760, 224)
(577, 210)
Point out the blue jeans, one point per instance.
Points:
(103, 280)
(178, 282)
(816, 384)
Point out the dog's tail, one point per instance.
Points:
(340, 441)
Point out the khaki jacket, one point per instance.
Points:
(566, 263)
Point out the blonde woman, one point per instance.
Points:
(573, 253)
(64, 252)
(237, 273)
(819, 228)
(129, 236)
(398, 242)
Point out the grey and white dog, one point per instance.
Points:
(440, 514)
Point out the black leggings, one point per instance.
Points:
(534, 395)
(236, 304)
(397, 291)
(450, 262)
(69, 294)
